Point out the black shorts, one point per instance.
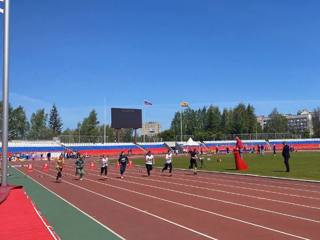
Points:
(193, 163)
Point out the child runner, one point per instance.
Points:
(59, 167)
(168, 163)
(149, 162)
(104, 165)
(193, 161)
(123, 161)
(79, 167)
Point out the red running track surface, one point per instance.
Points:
(184, 206)
(20, 220)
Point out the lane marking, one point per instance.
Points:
(246, 188)
(55, 237)
(251, 183)
(208, 198)
(86, 214)
(179, 204)
(130, 206)
(226, 192)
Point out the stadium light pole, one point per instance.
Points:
(182, 104)
(5, 90)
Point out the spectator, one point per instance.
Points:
(286, 156)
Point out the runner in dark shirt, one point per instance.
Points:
(123, 161)
(193, 161)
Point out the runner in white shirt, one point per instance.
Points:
(149, 162)
(104, 165)
(168, 162)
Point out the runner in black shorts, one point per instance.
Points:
(193, 161)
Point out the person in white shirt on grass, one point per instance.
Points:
(168, 163)
(149, 162)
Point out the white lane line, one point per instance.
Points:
(246, 188)
(210, 198)
(188, 206)
(226, 192)
(132, 207)
(247, 176)
(215, 178)
(86, 214)
(55, 237)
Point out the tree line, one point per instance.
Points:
(210, 123)
(46, 126)
(205, 123)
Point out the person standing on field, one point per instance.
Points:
(286, 156)
(239, 145)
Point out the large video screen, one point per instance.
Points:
(126, 118)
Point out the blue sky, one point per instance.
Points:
(77, 53)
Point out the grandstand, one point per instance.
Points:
(297, 144)
(34, 149)
(38, 149)
(155, 148)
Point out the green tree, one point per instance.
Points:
(213, 120)
(239, 119)
(167, 135)
(277, 123)
(251, 120)
(226, 121)
(175, 124)
(55, 123)
(19, 124)
(89, 128)
(38, 128)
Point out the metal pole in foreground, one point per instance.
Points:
(5, 113)
(180, 125)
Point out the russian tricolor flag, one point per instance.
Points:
(147, 103)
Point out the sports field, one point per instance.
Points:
(181, 206)
(304, 165)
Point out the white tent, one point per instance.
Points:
(190, 143)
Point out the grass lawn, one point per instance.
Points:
(303, 165)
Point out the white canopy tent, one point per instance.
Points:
(191, 143)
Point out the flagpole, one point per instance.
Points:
(105, 120)
(143, 122)
(5, 101)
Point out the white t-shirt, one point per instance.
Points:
(168, 157)
(149, 159)
(104, 162)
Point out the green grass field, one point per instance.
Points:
(304, 165)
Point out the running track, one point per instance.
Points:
(185, 206)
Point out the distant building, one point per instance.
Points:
(150, 129)
(302, 122)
